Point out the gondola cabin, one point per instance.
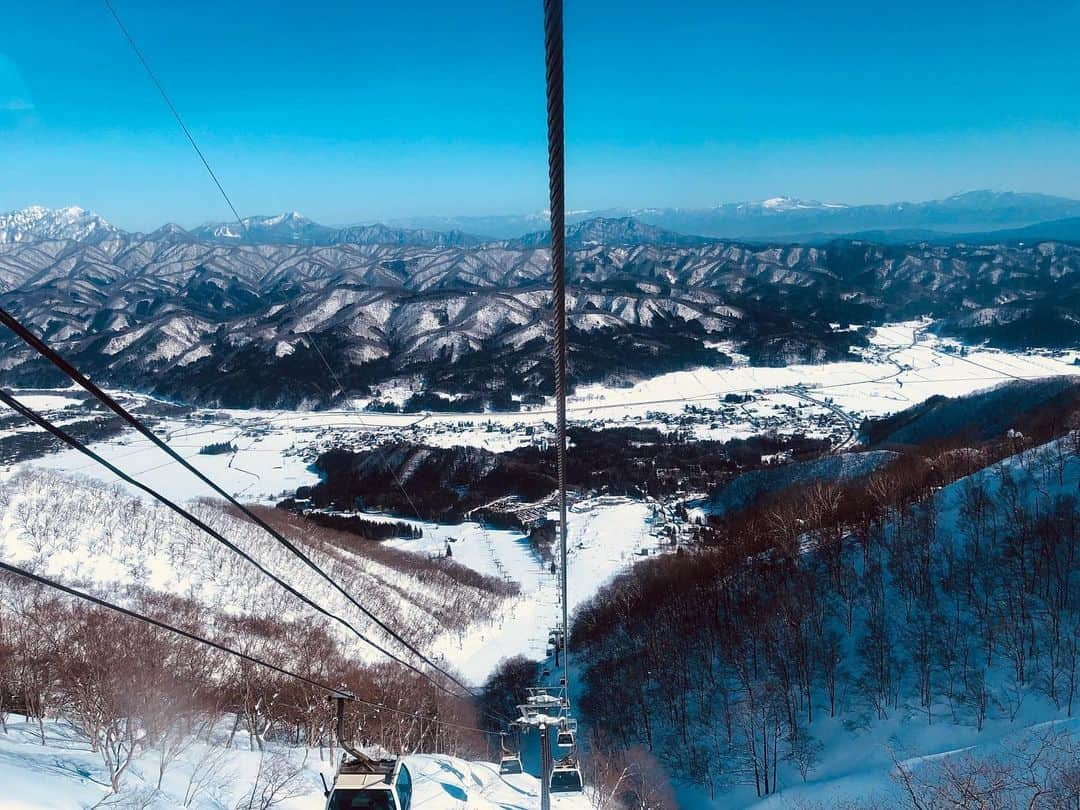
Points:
(510, 765)
(371, 785)
(566, 777)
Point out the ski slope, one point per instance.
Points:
(604, 536)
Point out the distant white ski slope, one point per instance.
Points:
(64, 774)
(605, 535)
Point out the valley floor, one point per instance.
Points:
(904, 366)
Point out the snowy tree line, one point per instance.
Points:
(852, 604)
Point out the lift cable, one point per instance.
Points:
(76, 376)
(22, 572)
(243, 226)
(553, 51)
(168, 103)
(70, 440)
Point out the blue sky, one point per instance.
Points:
(351, 111)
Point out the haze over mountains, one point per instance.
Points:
(781, 218)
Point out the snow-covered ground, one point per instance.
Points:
(605, 535)
(64, 774)
(857, 762)
(904, 366)
(273, 450)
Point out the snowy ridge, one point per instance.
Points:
(851, 643)
(37, 223)
(861, 765)
(173, 314)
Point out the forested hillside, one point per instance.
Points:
(839, 625)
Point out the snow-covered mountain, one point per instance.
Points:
(618, 231)
(296, 229)
(37, 223)
(246, 324)
(777, 218)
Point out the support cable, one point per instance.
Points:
(71, 441)
(46, 351)
(239, 220)
(553, 51)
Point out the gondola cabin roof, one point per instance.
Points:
(368, 766)
(356, 773)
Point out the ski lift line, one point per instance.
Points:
(553, 58)
(568, 778)
(50, 583)
(43, 423)
(76, 376)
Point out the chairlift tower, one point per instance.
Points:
(547, 708)
(542, 709)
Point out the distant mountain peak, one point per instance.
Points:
(779, 203)
(785, 204)
(36, 223)
(277, 219)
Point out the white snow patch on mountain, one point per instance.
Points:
(37, 222)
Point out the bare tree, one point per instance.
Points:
(209, 774)
(278, 780)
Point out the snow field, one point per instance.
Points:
(64, 774)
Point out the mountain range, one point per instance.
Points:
(214, 321)
(787, 219)
(980, 216)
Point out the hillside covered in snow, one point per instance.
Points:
(879, 640)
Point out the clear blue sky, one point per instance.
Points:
(364, 110)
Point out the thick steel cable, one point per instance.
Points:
(50, 354)
(553, 52)
(71, 441)
(50, 583)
